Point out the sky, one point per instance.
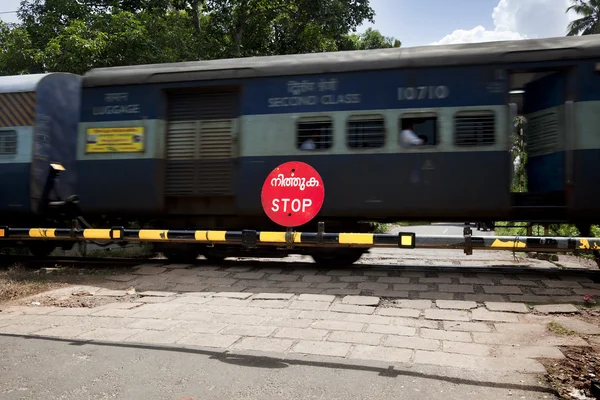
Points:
(432, 22)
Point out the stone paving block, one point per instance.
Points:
(475, 281)
(299, 333)
(249, 275)
(407, 342)
(436, 295)
(67, 332)
(18, 329)
(190, 288)
(289, 323)
(336, 285)
(477, 363)
(392, 330)
(186, 273)
(447, 315)
(316, 278)
(502, 290)
(356, 337)
(273, 296)
(209, 340)
(435, 280)
(215, 282)
(399, 312)
(375, 273)
(559, 341)
(283, 277)
(75, 311)
(456, 288)
(149, 270)
(506, 307)
(419, 304)
(316, 297)
(530, 352)
(269, 304)
(211, 274)
(580, 279)
(373, 286)
(551, 292)
(340, 272)
(411, 287)
(241, 330)
(294, 285)
(238, 269)
(153, 293)
(453, 336)
(455, 304)
(116, 312)
(199, 327)
(351, 279)
(528, 298)
(518, 282)
(343, 292)
(109, 334)
(472, 349)
(361, 300)
(481, 298)
(305, 271)
(177, 266)
(393, 279)
(584, 292)
(521, 328)
(330, 349)
(120, 278)
(346, 308)
(561, 284)
(365, 318)
(155, 300)
(481, 314)
(191, 300)
(579, 326)
(233, 295)
(556, 309)
(364, 352)
(153, 324)
(390, 294)
(309, 305)
(497, 338)
(263, 344)
(339, 325)
(466, 326)
(147, 265)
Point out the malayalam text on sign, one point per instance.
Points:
(115, 140)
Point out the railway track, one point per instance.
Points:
(112, 262)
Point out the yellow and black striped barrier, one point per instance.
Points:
(246, 238)
(251, 238)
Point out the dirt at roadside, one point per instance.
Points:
(572, 376)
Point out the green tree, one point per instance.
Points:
(372, 39)
(589, 21)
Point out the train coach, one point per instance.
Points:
(189, 145)
(39, 115)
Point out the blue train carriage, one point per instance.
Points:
(558, 93)
(38, 141)
(213, 130)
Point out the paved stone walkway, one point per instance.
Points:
(408, 317)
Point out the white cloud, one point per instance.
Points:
(518, 19)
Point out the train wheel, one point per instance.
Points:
(41, 249)
(338, 259)
(181, 256)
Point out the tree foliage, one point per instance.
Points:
(589, 21)
(77, 35)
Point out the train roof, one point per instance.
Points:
(20, 83)
(531, 50)
(25, 83)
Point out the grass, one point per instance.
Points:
(385, 227)
(558, 329)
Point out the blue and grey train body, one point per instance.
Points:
(39, 115)
(209, 132)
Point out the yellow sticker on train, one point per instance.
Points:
(115, 140)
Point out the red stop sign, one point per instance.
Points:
(292, 194)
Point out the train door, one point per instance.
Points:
(544, 132)
(200, 151)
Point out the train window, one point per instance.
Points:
(314, 134)
(475, 128)
(8, 143)
(366, 132)
(424, 126)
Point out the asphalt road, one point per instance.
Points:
(34, 368)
